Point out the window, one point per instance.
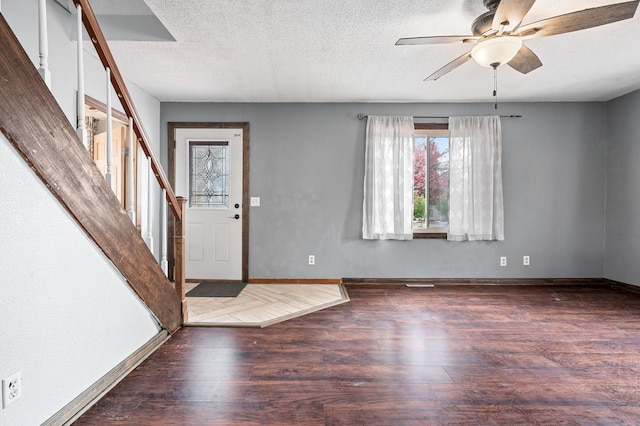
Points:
(209, 174)
(431, 181)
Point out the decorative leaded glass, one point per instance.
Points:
(209, 174)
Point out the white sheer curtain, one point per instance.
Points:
(475, 179)
(388, 179)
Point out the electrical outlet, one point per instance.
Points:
(312, 259)
(503, 261)
(526, 260)
(11, 389)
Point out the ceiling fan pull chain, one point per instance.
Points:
(495, 86)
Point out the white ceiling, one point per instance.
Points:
(344, 51)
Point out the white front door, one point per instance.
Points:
(208, 169)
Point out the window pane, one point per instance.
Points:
(208, 174)
(419, 180)
(438, 211)
(431, 181)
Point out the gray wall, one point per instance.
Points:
(307, 165)
(622, 243)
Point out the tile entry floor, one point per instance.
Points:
(260, 305)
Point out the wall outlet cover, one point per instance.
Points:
(11, 389)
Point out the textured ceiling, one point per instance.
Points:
(343, 51)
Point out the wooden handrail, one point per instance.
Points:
(35, 125)
(100, 43)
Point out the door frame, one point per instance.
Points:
(171, 159)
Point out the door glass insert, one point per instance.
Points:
(209, 174)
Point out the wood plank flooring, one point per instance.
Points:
(261, 305)
(457, 355)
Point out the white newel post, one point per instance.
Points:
(81, 126)
(44, 43)
(131, 206)
(149, 206)
(164, 264)
(109, 173)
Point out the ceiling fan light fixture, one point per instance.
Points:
(496, 51)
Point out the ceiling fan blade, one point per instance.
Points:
(449, 67)
(437, 40)
(580, 20)
(510, 13)
(525, 60)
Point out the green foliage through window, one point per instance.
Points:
(431, 180)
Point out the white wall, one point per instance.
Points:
(22, 16)
(67, 317)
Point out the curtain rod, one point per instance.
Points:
(362, 116)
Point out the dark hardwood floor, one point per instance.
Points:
(481, 355)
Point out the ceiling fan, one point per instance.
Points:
(498, 33)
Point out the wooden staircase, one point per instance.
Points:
(38, 129)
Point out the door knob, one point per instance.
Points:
(236, 216)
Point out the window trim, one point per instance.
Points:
(426, 235)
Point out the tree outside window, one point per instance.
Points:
(431, 179)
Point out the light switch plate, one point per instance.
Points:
(255, 201)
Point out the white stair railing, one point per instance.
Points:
(164, 264)
(81, 126)
(86, 19)
(130, 195)
(151, 178)
(109, 155)
(44, 43)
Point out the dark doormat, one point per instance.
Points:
(216, 289)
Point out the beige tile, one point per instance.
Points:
(260, 305)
